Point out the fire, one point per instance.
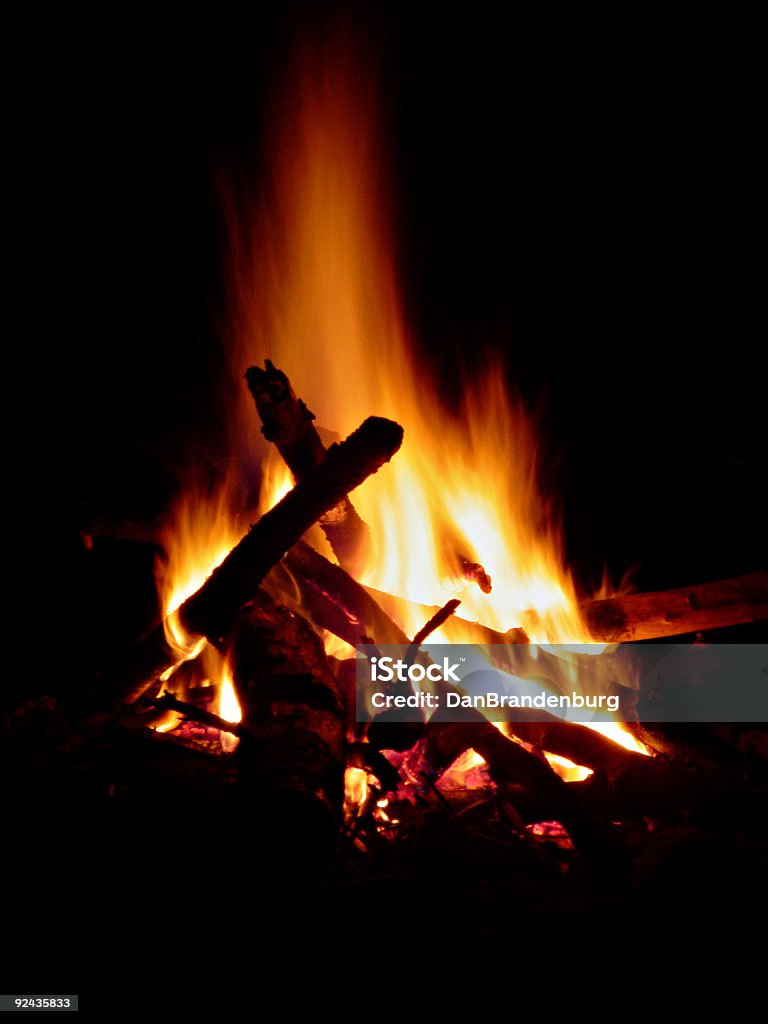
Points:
(202, 532)
(319, 293)
(615, 731)
(355, 791)
(229, 709)
(567, 769)
(313, 272)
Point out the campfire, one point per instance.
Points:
(358, 507)
(446, 535)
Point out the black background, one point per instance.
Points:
(581, 194)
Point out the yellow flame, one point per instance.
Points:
(355, 791)
(313, 272)
(320, 298)
(566, 769)
(229, 709)
(202, 531)
(617, 732)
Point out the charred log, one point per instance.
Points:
(211, 610)
(289, 425)
(576, 742)
(292, 750)
(363, 615)
(538, 792)
(438, 619)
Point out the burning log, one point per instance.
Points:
(674, 612)
(360, 614)
(211, 610)
(576, 742)
(288, 423)
(652, 616)
(292, 750)
(540, 793)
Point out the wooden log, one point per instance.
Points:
(292, 753)
(625, 784)
(675, 612)
(650, 616)
(211, 610)
(288, 423)
(693, 745)
(540, 794)
(363, 614)
(576, 742)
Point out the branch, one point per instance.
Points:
(211, 610)
(288, 423)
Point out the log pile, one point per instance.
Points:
(298, 734)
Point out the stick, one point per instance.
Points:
(457, 630)
(437, 620)
(288, 423)
(211, 610)
(169, 702)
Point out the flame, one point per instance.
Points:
(229, 709)
(617, 732)
(355, 792)
(203, 529)
(566, 769)
(200, 535)
(315, 274)
(314, 280)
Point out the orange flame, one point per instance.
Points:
(313, 273)
(320, 298)
(229, 709)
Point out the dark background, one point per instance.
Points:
(581, 194)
